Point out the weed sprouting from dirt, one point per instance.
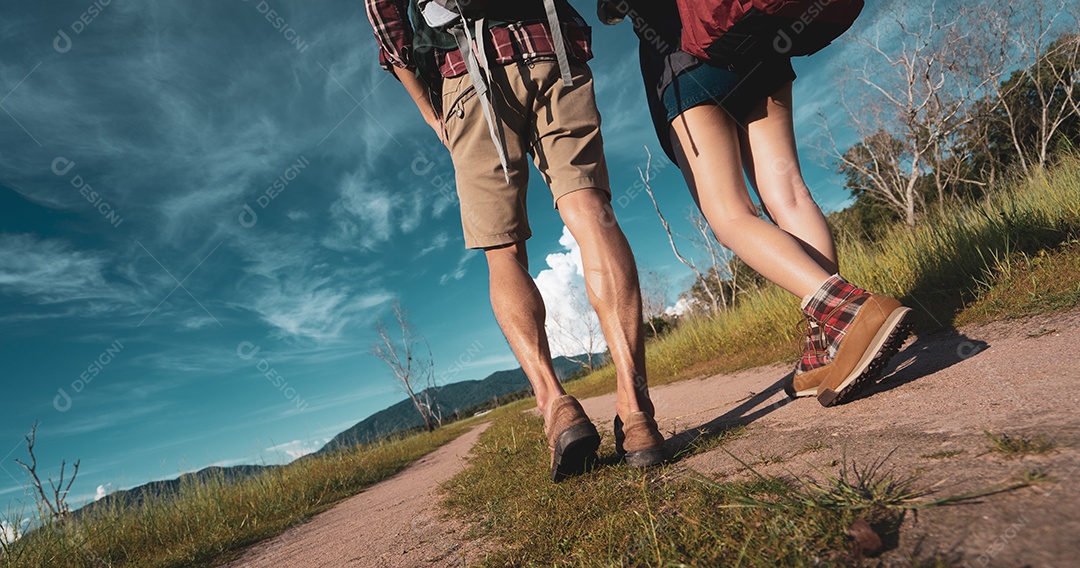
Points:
(942, 455)
(1015, 446)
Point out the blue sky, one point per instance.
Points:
(155, 326)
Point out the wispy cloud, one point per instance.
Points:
(53, 271)
(437, 243)
(461, 269)
(313, 311)
(290, 287)
(298, 448)
(368, 213)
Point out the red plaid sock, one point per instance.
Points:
(833, 307)
(815, 350)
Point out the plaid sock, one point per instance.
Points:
(833, 307)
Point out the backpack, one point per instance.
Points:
(734, 32)
(465, 24)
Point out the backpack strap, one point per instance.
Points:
(480, 83)
(559, 42)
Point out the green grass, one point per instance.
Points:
(208, 522)
(1015, 446)
(1016, 253)
(668, 516)
(1013, 254)
(942, 455)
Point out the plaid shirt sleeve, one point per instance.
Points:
(390, 20)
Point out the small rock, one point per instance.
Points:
(864, 540)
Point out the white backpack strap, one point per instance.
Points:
(436, 15)
(559, 42)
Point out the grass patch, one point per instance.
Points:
(1034, 476)
(1015, 253)
(705, 440)
(813, 447)
(209, 522)
(1015, 446)
(942, 455)
(667, 516)
(1020, 285)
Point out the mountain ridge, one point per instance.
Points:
(455, 399)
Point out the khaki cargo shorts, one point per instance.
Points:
(558, 126)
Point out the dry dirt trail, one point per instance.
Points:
(393, 523)
(930, 410)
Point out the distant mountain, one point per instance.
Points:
(136, 495)
(452, 398)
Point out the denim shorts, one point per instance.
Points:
(736, 91)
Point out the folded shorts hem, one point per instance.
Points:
(496, 240)
(567, 187)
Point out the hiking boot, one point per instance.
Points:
(859, 331)
(572, 438)
(639, 441)
(814, 355)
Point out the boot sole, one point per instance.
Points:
(790, 391)
(886, 343)
(575, 451)
(644, 458)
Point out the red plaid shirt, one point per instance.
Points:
(510, 43)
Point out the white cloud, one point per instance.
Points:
(572, 325)
(51, 271)
(298, 448)
(310, 310)
(291, 288)
(12, 532)
(460, 270)
(681, 307)
(102, 491)
(366, 214)
(438, 243)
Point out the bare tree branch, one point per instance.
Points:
(409, 372)
(57, 505)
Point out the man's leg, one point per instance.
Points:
(520, 312)
(611, 281)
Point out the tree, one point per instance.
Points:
(574, 327)
(56, 505)
(646, 179)
(1039, 104)
(912, 99)
(413, 371)
(654, 292)
(726, 275)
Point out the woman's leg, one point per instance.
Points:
(771, 161)
(706, 141)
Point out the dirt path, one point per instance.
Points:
(930, 411)
(394, 523)
(940, 395)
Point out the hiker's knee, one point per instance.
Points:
(586, 208)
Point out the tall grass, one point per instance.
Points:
(209, 521)
(939, 268)
(948, 269)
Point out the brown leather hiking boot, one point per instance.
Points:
(572, 438)
(860, 332)
(638, 440)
